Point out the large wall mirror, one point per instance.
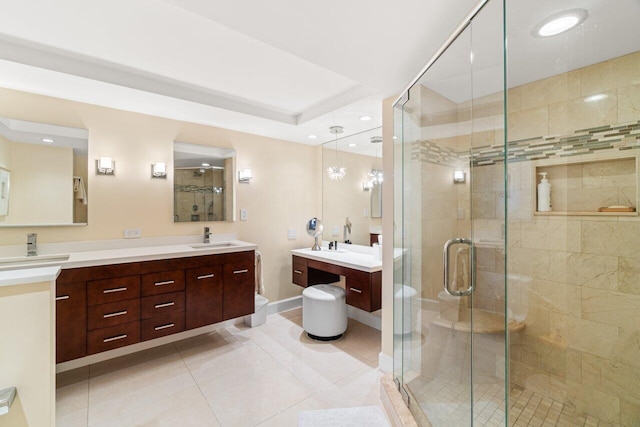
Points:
(358, 194)
(43, 174)
(203, 184)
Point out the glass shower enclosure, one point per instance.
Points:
(513, 306)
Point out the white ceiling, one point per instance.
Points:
(282, 68)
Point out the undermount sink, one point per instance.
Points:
(213, 245)
(36, 259)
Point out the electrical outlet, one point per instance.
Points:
(291, 234)
(335, 232)
(243, 214)
(132, 233)
(366, 213)
(460, 213)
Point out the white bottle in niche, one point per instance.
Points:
(544, 194)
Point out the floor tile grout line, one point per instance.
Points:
(196, 383)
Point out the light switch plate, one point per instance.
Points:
(366, 212)
(132, 233)
(243, 214)
(335, 232)
(291, 234)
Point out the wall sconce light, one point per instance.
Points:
(159, 170)
(105, 166)
(459, 177)
(245, 176)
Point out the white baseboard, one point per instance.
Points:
(365, 317)
(284, 305)
(385, 363)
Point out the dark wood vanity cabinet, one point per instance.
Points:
(239, 287)
(204, 296)
(363, 289)
(105, 307)
(71, 320)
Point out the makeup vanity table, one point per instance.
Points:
(363, 273)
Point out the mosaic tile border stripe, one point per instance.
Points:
(584, 141)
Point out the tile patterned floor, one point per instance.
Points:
(447, 404)
(236, 376)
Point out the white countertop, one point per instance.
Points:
(112, 252)
(358, 257)
(29, 275)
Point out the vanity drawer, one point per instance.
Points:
(299, 272)
(163, 304)
(161, 326)
(113, 337)
(113, 313)
(112, 290)
(359, 294)
(163, 282)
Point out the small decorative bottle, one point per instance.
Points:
(544, 194)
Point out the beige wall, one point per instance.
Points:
(345, 198)
(31, 202)
(27, 353)
(5, 153)
(284, 193)
(388, 221)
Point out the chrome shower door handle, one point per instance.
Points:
(472, 266)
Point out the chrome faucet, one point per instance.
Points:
(32, 244)
(207, 234)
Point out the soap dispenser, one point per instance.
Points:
(544, 194)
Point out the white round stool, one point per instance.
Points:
(324, 312)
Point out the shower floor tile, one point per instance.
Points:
(446, 403)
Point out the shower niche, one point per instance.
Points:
(603, 184)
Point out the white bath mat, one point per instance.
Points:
(369, 416)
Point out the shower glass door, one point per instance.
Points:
(450, 324)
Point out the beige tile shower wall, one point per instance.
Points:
(284, 193)
(576, 278)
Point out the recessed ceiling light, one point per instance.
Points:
(597, 97)
(205, 164)
(560, 22)
(312, 136)
(365, 118)
(47, 140)
(352, 145)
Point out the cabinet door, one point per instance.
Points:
(239, 287)
(71, 321)
(203, 296)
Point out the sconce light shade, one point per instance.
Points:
(159, 170)
(245, 176)
(459, 177)
(105, 166)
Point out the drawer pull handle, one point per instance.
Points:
(355, 290)
(206, 276)
(167, 282)
(170, 325)
(241, 271)
(166, 304)
(119, 337)
(61, 297)
(297, 271)
(117, 313)
(110, 291)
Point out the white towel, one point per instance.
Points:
(259, 284)
(78, 188)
